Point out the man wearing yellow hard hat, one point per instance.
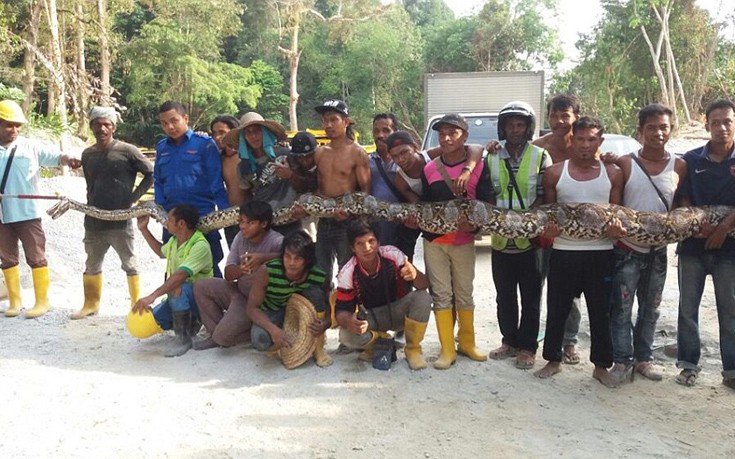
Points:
(20, 215)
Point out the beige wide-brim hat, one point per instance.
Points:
(232, 138)
(300, 313)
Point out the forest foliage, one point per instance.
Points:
(283, 57)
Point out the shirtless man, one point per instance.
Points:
(563, 111)
(582, 265)
(342, 167)
(221, 125)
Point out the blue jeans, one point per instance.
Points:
(163, 312)
(640, 275)
(260, 337)
(693, 270)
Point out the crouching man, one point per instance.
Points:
(222, 302)
(377, 279)
(188, 258)
(294, 271)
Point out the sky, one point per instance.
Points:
(577, 17)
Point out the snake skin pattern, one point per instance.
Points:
(578, 221)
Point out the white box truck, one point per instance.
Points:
(479, 96)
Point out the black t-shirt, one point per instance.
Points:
(110, 176)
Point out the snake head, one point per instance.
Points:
(157, 212)
(59, 209)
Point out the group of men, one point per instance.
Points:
(610, 271)
(248, 163)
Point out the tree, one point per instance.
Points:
(293, 13)
(164, 66)
(617, 76)
(504, 35)
(671, 82)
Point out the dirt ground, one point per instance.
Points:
(87, 389)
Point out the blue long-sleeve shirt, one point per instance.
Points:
(189, 173)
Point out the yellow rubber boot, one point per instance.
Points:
(367, 353)
(466, 335)
(134, 289)
(415, 332)
(92, 295)
(321, 357)
(40, 287)
(445, 329)
(12, 282)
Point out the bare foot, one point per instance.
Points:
(606, 379)
(549, 370)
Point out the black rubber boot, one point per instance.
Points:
(182, 329)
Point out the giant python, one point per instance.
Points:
(578, 221)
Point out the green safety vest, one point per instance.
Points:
(527, 179)
(195, 238)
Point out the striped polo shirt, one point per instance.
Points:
(280, 289)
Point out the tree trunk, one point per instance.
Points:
(294, 55)
(57, 60)
(104, 44)
(655, 53)
(29, 60)
(676, 83)
(82, 86)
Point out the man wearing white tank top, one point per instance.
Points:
(582, 266)
(651, 181)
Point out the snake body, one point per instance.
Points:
(578, 221)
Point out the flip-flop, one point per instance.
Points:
(571, 358)
(687, 378)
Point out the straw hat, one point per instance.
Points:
(300, 313)
(232, 138)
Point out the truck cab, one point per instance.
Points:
(483, 128)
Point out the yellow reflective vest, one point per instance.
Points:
(506, 196)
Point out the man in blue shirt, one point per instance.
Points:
(21, 160)
(188, 171)
(710, 181)
(383, 173)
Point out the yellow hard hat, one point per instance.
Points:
(11, 111)
(142, 325)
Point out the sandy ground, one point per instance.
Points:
(88, 389)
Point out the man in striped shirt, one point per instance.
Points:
(295, 271)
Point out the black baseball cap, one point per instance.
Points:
(399, 138)
(303, 143)
(452, 119)
(334, 105)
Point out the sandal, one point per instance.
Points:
(649, 371)
(525, 360)
(687, 378)
(622, 372)
(570, 356)
(503, 352)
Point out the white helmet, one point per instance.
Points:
(517, 108)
